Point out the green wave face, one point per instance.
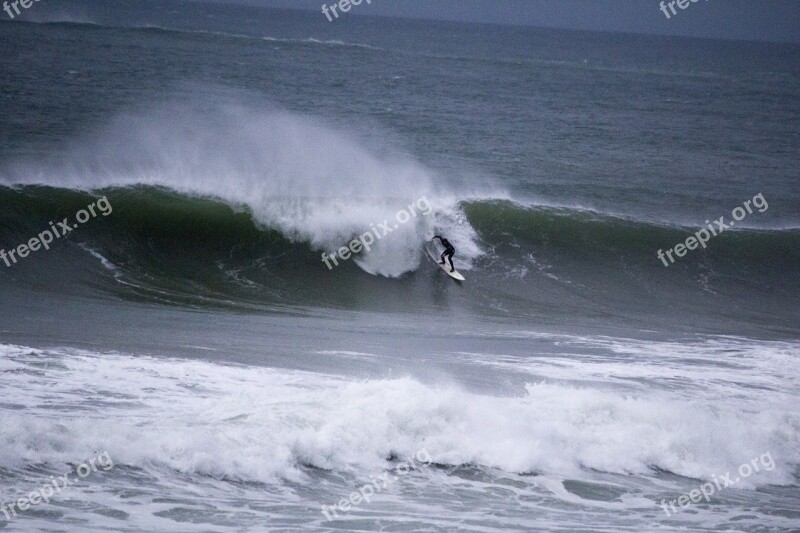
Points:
(158, 245)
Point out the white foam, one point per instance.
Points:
(263, 424)
(108, 265)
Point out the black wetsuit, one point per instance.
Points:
(448, 252)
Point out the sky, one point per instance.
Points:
(761, 20)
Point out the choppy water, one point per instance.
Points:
(196, 337)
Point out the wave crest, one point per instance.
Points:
(292, 173)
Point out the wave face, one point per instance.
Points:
(200, 249)
(235, 204)
(182, 219)
(290, 173)
(609, 238)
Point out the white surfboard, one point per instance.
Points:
(446, 267)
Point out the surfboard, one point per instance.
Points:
(456, 275)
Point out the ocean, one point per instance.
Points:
(182, 351)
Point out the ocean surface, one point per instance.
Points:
(192, 333)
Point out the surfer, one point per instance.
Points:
(449, 250)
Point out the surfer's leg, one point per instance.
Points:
(450, 257)
(441, 258)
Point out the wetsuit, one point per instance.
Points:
(448, 252)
